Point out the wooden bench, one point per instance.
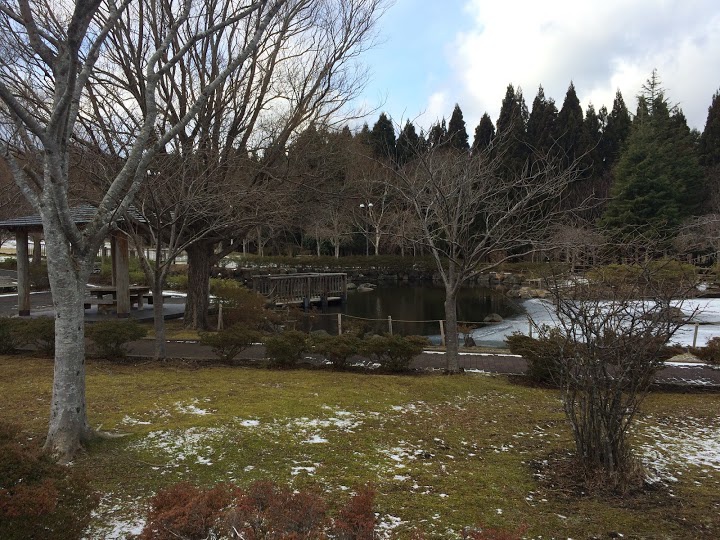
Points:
(149, 297)
(95, 301)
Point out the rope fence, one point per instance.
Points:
(390, 323)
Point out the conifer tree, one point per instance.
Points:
(615, 132)
(382, 138)
(512, 126)
(456, 133)
(592, 133)
(569, 128)
(541, 123)
(709, 147)
(408, 144)
(437, 134)
(484, 133)
(658, 178)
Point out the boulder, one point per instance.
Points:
(527, 292)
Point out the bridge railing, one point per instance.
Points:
(303, 289)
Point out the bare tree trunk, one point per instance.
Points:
(69, 427)
(337, 250)
(198, 293)
(159, 319)
(37, 250)
(451, 331)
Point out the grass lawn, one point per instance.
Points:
(442, 452)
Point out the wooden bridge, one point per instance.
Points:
(302, 289)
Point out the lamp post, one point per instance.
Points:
(369, 206)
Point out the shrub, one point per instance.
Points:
(38, 333)
(268, 511)
(111, 337)
(177, 282)
(337, 349)
(39, 276)
(542, 355)
(262, 511)
(228, 343)
(286, 349)
(241, 305)
(38, 498)
(394, 353)
(185, 511)
(356, 520)
(8, 340)
(710, 353)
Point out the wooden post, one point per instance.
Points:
(113, 264)
(23, 273)
(306, 299)
(697, 327)
(390, 325)
(442, 333)
(122, 275)
(339, 319)
(220, 316)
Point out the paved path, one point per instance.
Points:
(676, 373)
(687, 374)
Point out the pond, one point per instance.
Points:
(414, 310)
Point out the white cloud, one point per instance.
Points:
(601, 45)
(438, 106)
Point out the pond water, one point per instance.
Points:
(414, 310)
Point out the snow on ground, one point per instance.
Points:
(121, 524)
(191, 408)
(706, 312)
(671, 448)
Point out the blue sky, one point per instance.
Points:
(432, 54)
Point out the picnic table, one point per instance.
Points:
(106, 295)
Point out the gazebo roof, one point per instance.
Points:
(80, 215)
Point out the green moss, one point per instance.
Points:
(460, 448)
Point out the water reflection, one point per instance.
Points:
(406, 304)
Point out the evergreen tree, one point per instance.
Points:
(658, 178)
(592, 132)
(437, 134)
(364, 135)
(615, 132)
(512, 128)
(382, 138)
(484, 133)
(408, 144)
(541, 123)
(710, 138)
(456, 133)
(570, 133)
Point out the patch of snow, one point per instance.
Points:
(191, 409)
(315, 439)
(297, 470)
(250, 423)
(133, 422)
(673, 448)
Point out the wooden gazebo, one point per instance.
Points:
(24, 226)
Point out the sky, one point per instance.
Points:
(432, 54)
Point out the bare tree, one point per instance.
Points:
(608, 346)
(474, 214)
(303, 70)
(62, 61)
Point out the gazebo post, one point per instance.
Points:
(23, 272)
(121, 263)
